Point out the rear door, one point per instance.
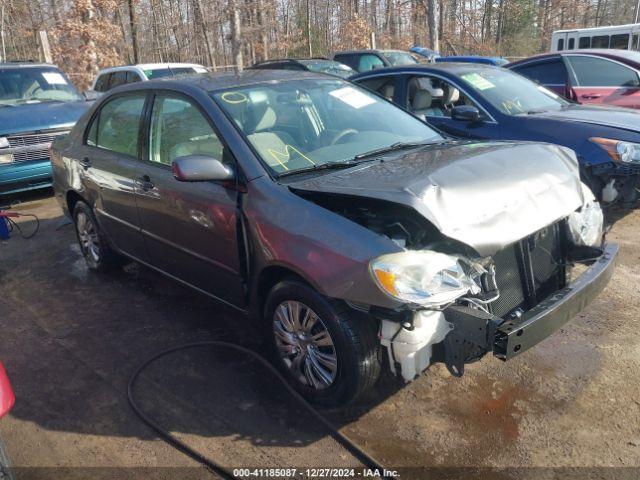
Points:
(110, 159)
(597, 80)
(189, 228)
(551, 73)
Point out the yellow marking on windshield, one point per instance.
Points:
(234, 97)
(286, 155)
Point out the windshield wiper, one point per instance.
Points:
(391, 148)
(321, 166)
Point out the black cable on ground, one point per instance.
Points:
(13, 224)
(350, 445)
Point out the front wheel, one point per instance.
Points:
(93, 245)
(328, 352)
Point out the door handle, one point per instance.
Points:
(85, 163)
(591, 96)
(144, 182)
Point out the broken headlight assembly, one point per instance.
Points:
(619, 150)
(425, 277)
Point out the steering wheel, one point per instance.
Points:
(342, 134)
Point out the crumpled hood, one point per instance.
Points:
(485, 194)
(31, 117)
(617, 117)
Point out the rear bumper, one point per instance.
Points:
(22, 176)
(516, 336)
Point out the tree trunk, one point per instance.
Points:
(432, 24)
(236, 44)
(133, 25)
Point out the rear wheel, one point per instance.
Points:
(328, 353)
(93, 245)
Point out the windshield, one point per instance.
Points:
(511, 93)
(34, 85)
(298, 124)
(330, 67)
(399, 58)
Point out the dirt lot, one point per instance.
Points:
(70, 340)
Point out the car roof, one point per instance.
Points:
(369, 50)
(632, 56)
(147, 66)
(450, 67)
(222, 80)
(26, 64)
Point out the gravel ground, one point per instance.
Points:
(569, 408)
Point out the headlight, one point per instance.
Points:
(585, 225)
(424, 277)
(6, 158)
(619, 150)
(4, 142)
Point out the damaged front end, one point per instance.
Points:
(488, 234)
(505, 303)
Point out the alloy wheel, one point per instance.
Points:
(305, 344)
(88, 236)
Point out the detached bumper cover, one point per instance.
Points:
(516, 336)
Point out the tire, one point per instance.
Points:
(353, 339)
(93, 244)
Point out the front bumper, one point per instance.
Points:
(513, 337)
(21, 176)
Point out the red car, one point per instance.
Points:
(590, 76)
(6, 393)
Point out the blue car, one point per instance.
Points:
(38, 103)
(495, 61)
(485, 102)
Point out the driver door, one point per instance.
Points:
(189, 228)
(432, 99)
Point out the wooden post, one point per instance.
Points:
(44, 45)
(372, 40)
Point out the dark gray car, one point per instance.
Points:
(344, 226)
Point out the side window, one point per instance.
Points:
(560, 44)
(600, 42)
(351, 60)
(92, 135)
(620, 42)
(117, 126)
(634, 41)
(434, 97)
(368, 62)
(584, 42)
(546, 73)
(572, 44)
(598, 72)
(384, 86)
(179, 129)
(132, 77)
(102, 84)
(117, 79)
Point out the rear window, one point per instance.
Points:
(167, 72)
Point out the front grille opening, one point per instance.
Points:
(528, 271)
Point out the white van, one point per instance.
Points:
(623, 37)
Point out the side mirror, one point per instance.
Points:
(90, 95)
(465, 113)
(200, 168)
